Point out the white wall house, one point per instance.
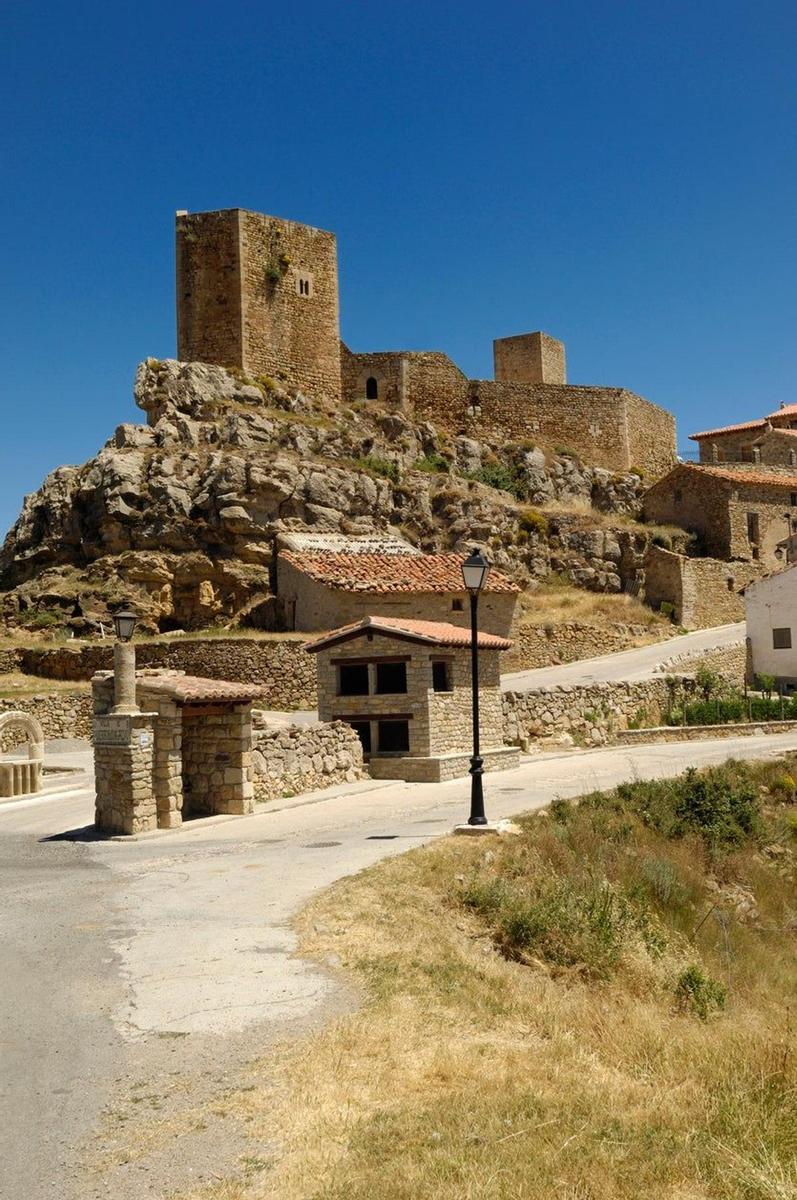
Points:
(771, 608)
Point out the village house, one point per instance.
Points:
(405, 687)
(320, 589)
(770, 440)
(737, 514)
(771, 614)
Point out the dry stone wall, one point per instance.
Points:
(285, 671)
(591, 715)
(61, 715)
(543, 646)
(303, 758)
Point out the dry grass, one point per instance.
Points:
(557, 602)
(468, 1075)
(17, 684)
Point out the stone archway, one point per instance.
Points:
(19, 777)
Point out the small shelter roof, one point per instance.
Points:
(383, 573)
(433, 633)
(194, 689)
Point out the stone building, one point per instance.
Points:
(771, 615)
(405, 687)
(260, 294)
(770, 440)
(320, 589)
(741, 514)
(702, 591)
(187, 753)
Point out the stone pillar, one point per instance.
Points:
(169, 765)
(124, 678)
(123, 768)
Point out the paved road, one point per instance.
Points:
(640, 663)
(138, 963)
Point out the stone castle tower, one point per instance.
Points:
(261, 294)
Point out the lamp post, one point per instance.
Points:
(475, 570)
(124, 665)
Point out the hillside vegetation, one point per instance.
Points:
(596, 1009)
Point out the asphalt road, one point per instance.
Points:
(168, 960)
(639, 663)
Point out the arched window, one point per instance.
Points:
(371, 388)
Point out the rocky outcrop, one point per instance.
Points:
(180, 517)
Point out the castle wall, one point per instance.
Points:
(286, 333)
(260, 294)
(208, 270)
(529, 358)
(651, 436)
(386, 368)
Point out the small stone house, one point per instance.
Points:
(770, 440)
(743, 514)
(322, 590)
(405, 687)
(771, 614)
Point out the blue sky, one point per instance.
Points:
(622, 175)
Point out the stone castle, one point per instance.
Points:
(260, 294)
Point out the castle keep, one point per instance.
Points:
(260, 294)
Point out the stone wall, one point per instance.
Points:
(530, 358)
(10, 661)
(729, 662)
(208, 269)
(303, 758)
(591, 715)
(61, 714)
(285, 671)
(703, 591)
(387, 369)
(261, 294)
(543, 646)
(217, 762)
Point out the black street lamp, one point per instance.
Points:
(475, 570)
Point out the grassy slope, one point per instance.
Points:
(524, 1034)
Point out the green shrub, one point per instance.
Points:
(707, 680)
(378, 466)
(667, 610)
(766, 684)
(636, 471)
(266, 383)
(698, 993)
(433, 462)
(505, 479)
(531, 520)
(45, 619)
(719, 804)
(564, 452)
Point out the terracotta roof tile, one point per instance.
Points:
(195, 689)
(770, 478)
(785, 410)
(384, 573)
(436, 633)
(695, 437)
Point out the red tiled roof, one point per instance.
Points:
(777, 429)
(381, 573)
(436, 633)
(695, 437)
(785, 410)
(193, 688)
(771, 478)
